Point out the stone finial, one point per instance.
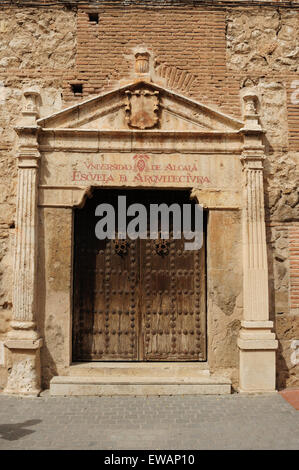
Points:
(250, 100)
(251, 116)
(142, 66)
(30, 110)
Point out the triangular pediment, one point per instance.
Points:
(142, 106)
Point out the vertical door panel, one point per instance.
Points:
(105, 325)
(173, 302)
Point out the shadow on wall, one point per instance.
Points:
(13, 432)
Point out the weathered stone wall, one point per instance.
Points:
(263, 39)
(224, 291)
(209, 53)
(37, 39)
(283, 304)
(54, 299)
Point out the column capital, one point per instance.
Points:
(253, 159)
(27, 135)
(21, 129)
(28, 150)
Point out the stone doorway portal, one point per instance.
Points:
(136, 300)
(189, 145)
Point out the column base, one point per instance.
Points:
(25, 373)
(257, 346)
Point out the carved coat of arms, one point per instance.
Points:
(140, 162)
(142, 108)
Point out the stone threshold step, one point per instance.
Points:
(139, 369)
(140, 380)
(123, 385)
(141, 365)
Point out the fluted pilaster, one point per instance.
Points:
(23, 339)
(256, 305)
(25, 247)
(256, 342)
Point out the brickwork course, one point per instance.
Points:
(208, 51)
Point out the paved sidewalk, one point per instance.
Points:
(178, 422)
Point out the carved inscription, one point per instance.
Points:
(140, 171)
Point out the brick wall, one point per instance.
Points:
(294, 267)
(293, 109)
(186, 38)
(183, 36)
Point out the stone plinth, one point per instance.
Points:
(257, 357)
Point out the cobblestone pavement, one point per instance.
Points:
(177, 422)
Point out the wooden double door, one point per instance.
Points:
(136, 300)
